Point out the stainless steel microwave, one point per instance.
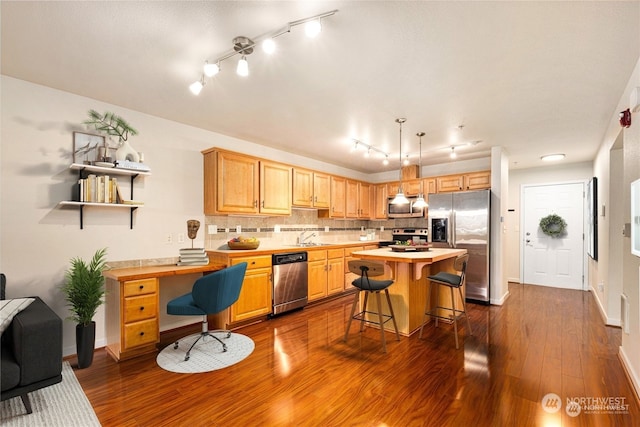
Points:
(406, 210)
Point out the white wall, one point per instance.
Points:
(560, 172)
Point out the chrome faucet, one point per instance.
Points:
(302, 239)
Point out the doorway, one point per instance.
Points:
(553, 261)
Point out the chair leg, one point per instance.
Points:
(393, 316)
(364, 310)
(426, 309)
(26, 402)
(437, 301)
(466, 315)
(356, 300)
(384, 343)
(455, 322)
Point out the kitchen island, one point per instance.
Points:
(409, 270)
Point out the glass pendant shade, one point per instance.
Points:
(420, 202)
(400, 198)
(243, 67)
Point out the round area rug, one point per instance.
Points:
(207, 355)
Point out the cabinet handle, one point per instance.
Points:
(141, 287)
(263, 203)
(255, 203)
(141, 308)
(141, 333)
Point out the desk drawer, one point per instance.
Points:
(139, 333)
(317, 255)
(140, 287)
(254, 261)
(140, 308)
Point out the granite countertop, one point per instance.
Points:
(266, 249)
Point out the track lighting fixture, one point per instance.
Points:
(369, 149)
(400, 198)
(243, 46)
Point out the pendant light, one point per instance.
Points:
(400, 198)
(420, 202)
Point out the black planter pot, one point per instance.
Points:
(85, 344)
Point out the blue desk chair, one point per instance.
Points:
(211, 294)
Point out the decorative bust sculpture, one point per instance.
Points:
(192, 229)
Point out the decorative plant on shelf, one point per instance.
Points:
(553, 225)
(114, 125)
(110, 124)
(84, 292)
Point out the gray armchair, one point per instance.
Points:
(31, 351)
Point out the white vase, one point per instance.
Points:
(127, 152)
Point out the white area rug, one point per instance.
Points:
(207, 355)
(63, 404)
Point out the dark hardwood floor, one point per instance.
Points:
(301, 373)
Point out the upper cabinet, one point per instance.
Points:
(235, 183)
(311, 189)
(380, 201)
(462, 182)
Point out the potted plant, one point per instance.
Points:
(84, 292)
(114, 125)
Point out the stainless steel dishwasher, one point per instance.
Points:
(289, 281)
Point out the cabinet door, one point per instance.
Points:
(478, 180)
(412, 187)
(351, 199)
(364, 200)
(338, 187)
(303, 186)
(321, 190)
(317, 279)
(237, 178)
(429, 186)
(449, 183)
(335, 275)
(275, 188)
(255, 295)
(381, 200)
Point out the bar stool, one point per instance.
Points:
(367, 269)
(451, 281)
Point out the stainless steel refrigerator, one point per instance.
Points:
(462, 220)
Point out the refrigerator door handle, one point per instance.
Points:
(451, 232)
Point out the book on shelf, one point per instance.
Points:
(187, 251)
(97, 189)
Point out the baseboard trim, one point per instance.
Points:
(632, 376)
(603, 314)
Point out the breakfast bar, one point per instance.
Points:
(409, 270)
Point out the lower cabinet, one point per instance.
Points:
(255, 295)
(326, 273)
(132, 317)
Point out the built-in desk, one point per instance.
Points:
(132, 306)
(409, 270)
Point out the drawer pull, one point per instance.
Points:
(141, 308)
(141, 333)
(141, 287)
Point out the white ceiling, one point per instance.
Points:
(532, 77)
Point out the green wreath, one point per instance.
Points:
(553, 225)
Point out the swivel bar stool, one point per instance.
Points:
(367, 269)
(451, 281)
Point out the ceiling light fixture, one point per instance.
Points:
(453, 154)
(420, 202)
(552, 157)
(400, 198)
(369, 149)
(243, 46)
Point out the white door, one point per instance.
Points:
(553, 261)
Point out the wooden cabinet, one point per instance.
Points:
(235, 183)
(461, 182)
(255, 295)
(338, 198)
(325, 273)
(132, 317)
(275, 188)
(358, 199)
(380, 201)
(429, 186)
(311, 189)
(478, 180)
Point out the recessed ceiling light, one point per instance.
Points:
(552, 157)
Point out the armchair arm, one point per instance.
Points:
(37, 342)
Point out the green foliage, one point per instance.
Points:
(553, 225)
(84, 287)
(110, 124)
